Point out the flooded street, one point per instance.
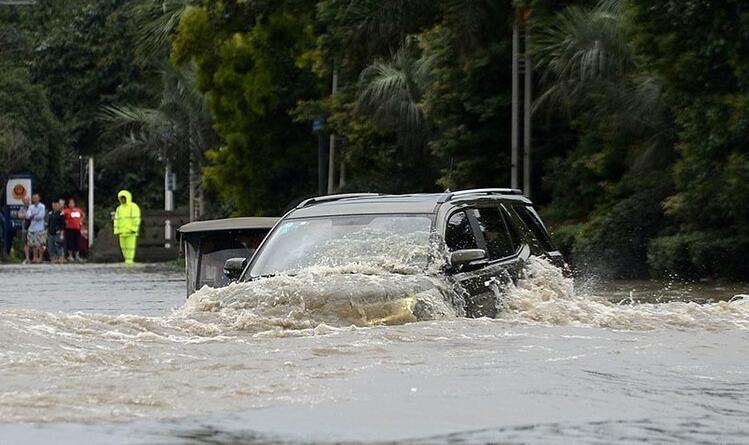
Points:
(107, 354)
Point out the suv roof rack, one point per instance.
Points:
(447, 196)
(329, 198)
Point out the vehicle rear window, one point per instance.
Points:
(459, 234)
(498, 240)
(531, 219)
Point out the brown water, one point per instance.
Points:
(105, 354)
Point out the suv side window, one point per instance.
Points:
(459, 234)
(498, 240)
(511, 226)
(531, 219)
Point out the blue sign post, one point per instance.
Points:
(318, 124)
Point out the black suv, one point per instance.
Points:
(473, 238)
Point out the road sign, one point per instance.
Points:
(318, 124)
(16, 189)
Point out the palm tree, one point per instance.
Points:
(180, 128)
(392, 91)
(392, 87)
(587, 63)
(589, 69)
(157, 21)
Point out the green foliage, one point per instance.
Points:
(431, 79)
(469, 102)
(698, 254)
(80, 56)
(700, 49)
(614, 242)
(31, 137)
(179, 129)
(84, 56)
(641, 123)
(253, 75)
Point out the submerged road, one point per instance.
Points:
(106, 354)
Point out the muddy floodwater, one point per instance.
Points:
(114, 355)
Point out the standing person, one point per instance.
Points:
(7, 233)
(4, 229)
(24, 228)
(55, 230)
(73, 219)
(37, 235)
(127, 225)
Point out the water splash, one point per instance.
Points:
(325, 299)
(331, 296)
(544, 296)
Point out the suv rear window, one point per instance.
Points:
(459, 234)
(531, 219)
(498, 241)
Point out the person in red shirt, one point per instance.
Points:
(74, 218)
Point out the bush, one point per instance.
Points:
(565, 236)
(614, 243)
(697, 255)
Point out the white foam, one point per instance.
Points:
(544, 296)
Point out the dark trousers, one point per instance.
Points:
(72, 241)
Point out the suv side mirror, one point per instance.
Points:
(233, 267)
(466, 256)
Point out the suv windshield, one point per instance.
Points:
(397, 243)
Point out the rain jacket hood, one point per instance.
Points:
(127, 216)
(127, 195)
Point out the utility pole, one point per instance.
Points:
(521, 21)
(528, 91)
(515, 133)
(331, 156)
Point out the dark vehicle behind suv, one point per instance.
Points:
(477, 239)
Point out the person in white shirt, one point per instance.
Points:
(37, 234)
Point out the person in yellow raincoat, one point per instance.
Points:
(127, 225)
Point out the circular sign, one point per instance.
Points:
(19, 191)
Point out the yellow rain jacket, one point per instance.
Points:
(127, 216)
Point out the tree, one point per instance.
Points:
(699, 50)
(253, 64)
(32, 138)
(15, 151)
(85, 59)
(392, 92)
(179, 129)
(388, 75)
